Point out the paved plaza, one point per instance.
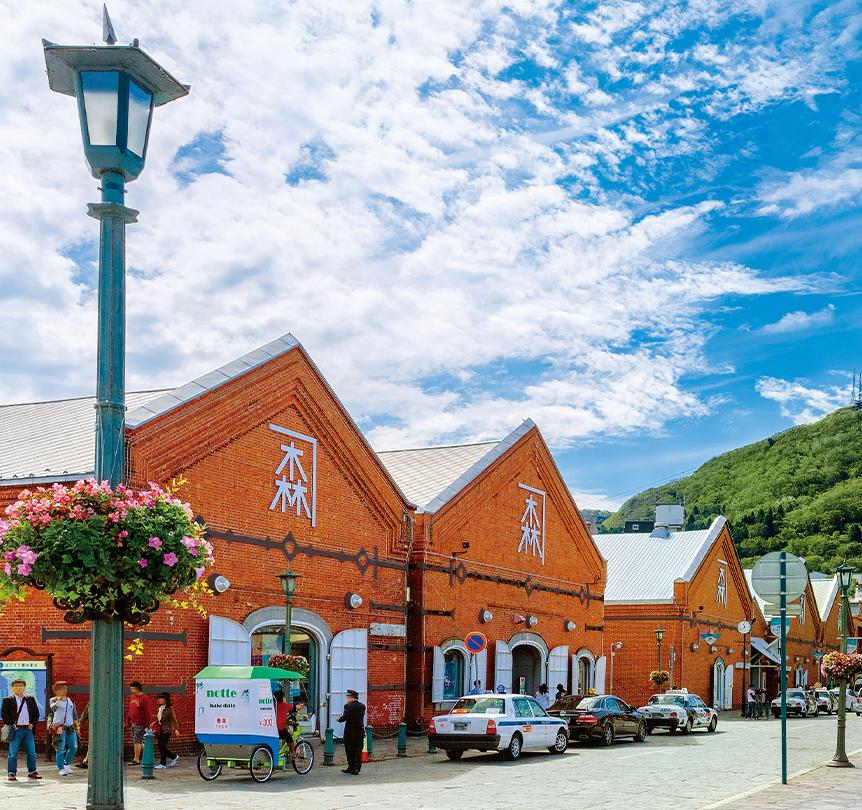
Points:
(734, 768)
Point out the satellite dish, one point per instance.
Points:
(766, 577)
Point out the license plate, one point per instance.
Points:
(460, 726)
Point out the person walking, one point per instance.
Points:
(168, 726)
(751, 703)
(65, 725)
(140, 716)
(21, 713)
(543, 697)
(353, 718)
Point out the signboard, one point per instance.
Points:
(775, 625)
(476, 642)
(710, 638)
(234, 707)
(852, 644)
(33, 673)
(523, 685)
(533, 524)
(775, 610)
(766, 577)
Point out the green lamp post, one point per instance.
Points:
(288, 586)
(117, 88)
(844, 573)
(659, 635)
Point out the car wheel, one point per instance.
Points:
(817, 712)
(561, 743)
(454, 755)
(608, 734)
(513, 751)
(640, 734)
(712, 725)
(776, 714)
(689, 725)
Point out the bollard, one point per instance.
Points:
(431, 748)
(329, 748)
(402, 739)
(149, 758)
(369, 742)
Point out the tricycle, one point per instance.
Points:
(235, 721)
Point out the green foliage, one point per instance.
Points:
(800, 490)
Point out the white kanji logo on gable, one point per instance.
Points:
(533, 526)
(293, 489)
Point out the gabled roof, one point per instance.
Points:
(643, 567)
(432, 476)
(825, 591)
(213, 379)
(52, 441)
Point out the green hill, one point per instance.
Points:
(800, 490)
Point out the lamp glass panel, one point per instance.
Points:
(101, 92)
(140, 102)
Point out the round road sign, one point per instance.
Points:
(766, 578)
(476, 642)
(744, 627)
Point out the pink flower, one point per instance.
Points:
(23, 569)
(199, 572)
(142, 562)
(171, 559)
(124, 534)
(155, 542)
(8, 569)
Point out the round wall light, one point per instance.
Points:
(532, 621)
(485, 616)
(352, 600)
(218, 583)
(569, 625)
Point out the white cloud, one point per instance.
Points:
(800, 403)
(800, 321)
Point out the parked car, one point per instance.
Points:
(600, 718)
(677, 710)
(508, 723)
(799, 701)
(826, 701)
(849, 698)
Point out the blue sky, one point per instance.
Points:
(635, 222)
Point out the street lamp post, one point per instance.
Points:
(116, 88)
(288, 585)
(659, 635)
(845, 574)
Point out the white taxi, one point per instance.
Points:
(677, 710)
(508, 723)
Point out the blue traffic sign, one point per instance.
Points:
(476, 642)
(775, 624)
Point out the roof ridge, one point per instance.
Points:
(75, 399)
(439, 447)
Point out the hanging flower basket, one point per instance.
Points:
(659, 677)
(294, 663)
(100, 552)
(841, 666)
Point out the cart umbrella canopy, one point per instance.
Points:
(248, 674)
(235, 711)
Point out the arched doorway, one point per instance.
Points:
(718, 685)
(584, 674)
(526, 664)
(454, 669)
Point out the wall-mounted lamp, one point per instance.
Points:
(465, 546)
(218, 583)
(352, 600)
(796, 658)
(568, 626)
(712, 649)
(618, 645)
(532, 621)
(730, 650)
(694, 647)
(485, 616)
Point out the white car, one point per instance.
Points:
(799, 701)
(509, 723)
(677, 710)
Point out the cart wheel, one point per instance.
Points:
(261, 763)
(207, 771)
(303, 759)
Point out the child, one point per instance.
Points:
(166, 720)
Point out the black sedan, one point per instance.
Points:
(602, 718)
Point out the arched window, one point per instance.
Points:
(453, 674)
(584, 674)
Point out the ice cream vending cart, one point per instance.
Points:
(235, 721)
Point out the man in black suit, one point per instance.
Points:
(22, 713)
(353, 718)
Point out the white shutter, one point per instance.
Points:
(481, 669)
(558, 668)
(601, 666)
(348, 667)
(437, 676)
(229, 643)
(728, 688)
(502, 666)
